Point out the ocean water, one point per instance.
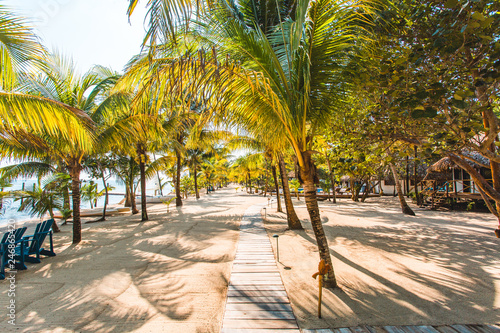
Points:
(9, 211)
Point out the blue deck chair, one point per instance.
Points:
(17, 234)
(32, 245)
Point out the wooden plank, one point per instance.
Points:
(248, 277)
(254, 283)
(493, 328)
(258, 307)
(257, 293)
(256, 287)
(445, 329)
(318, 331)
(258, 323)
(419, 329)
(359, 329)
(257, 275)
(263, 330)
(393, 329)
(253, 269)
(258, 315)
(257, 299)
(462, 329)
(479, 328)
(341, 330)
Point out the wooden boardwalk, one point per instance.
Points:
(412, 329)
(256, 298)
(258, 303)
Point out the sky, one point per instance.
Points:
(92, 32)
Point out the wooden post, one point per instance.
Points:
(323, 269)
(320, 280)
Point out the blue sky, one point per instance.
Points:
(90, 31)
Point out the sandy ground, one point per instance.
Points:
(169, 274)
(434, 268)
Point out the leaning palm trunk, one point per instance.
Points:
(55, 227)
(404, 206)
(141, 152)
(292, 218)
(75, 189)
(306, 173)
(178, 195)
(276, 184)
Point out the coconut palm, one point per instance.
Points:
(288, 72)
(19, 48)
(50, 120)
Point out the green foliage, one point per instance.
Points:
(168, 202)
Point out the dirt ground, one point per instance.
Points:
(169, 274)
(433, 268)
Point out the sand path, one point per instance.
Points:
(169, 274)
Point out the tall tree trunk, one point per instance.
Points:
(75, 169)
(178, 195)
(266, 186)
(55, 227)
(407, 176)
(128, 200)
(133, 202)
(141, 152)
(195, 176)
(159, 179)
(276, 184)
(415, 176)
(332, 178)
(291, 215)
(106, 198)
(307, 175)
(404, 206)
(367, 191)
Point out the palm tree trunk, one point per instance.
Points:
(332, 179)
(404, 206)
(132, 197)
(292, 218)
(276, 184)
(55, 227)
(307, 176)
(415, 178)
(128, 201)
(141, 152)
(178, 199)
(75, 169)
(195, 176)
(106, 198)
(159, 179)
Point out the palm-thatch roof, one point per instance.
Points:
(442, 165)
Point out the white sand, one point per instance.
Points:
(434, 268)
(169, 274)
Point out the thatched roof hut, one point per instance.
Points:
(445, 165)
(442, 165)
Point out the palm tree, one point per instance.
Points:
(291, 56)
(44, 200)
(51, 121)
(19, 48)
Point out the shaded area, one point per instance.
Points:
(162, 275)
(436, 268)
